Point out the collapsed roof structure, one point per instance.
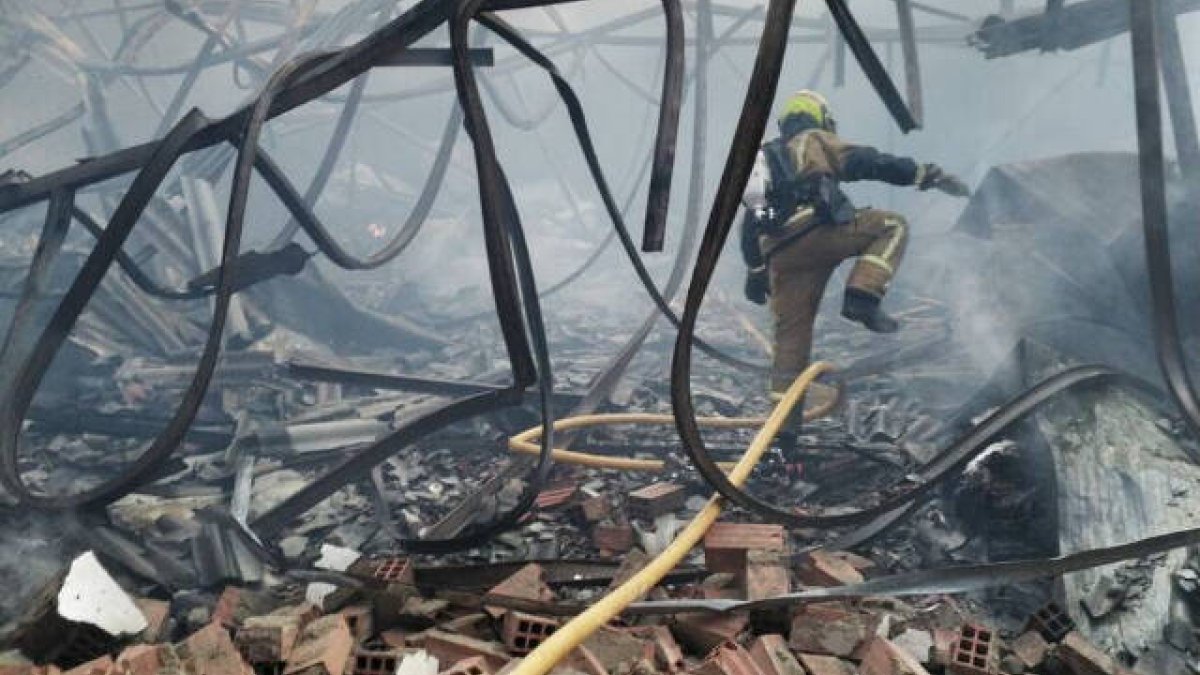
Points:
(158, 340)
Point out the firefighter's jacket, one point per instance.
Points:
(795, 182)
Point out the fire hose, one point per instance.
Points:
(563, 641)
(522, 442)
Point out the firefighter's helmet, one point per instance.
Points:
(808, 104)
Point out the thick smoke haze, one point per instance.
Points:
(978, 113)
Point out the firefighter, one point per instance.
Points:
(799, 226)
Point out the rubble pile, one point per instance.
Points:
(330, 594)
(388, 616)
(176, 579)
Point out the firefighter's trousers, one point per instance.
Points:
(800, 268)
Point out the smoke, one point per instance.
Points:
(979, 113)
(33, 551)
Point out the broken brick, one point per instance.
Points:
(210, 651)
(818, 664)
(729, 659)
(975, 653)
(703, 633)
(726, 544)
(323, 648)
(1051, 621)
(268, 639)
(772, 656)
(667, 653)
(766, 576)
(611, 539)
(451, 648)
(139, 660)
(376, 661)
(555, 497)
(527, 583)
(882, 657)
(476, 665)
(652, 501)
(617, 650)
(522, 632)
(580, 661)
(824, 569)
(1084, 658)
(389, 570)
(831, 630)
(1030, 648)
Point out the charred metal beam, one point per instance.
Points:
(912, 63)
(559, 573)
(839, 59)
(1179, 99)
(333, 72)
(439, 56)
(868, 60)
(411, 383)
(1077, 25)
(663, 169)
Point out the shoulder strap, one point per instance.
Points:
(786, 191)
(782, 169)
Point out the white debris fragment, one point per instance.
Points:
(918, 643)
(336, 558)
(657, 540)
(418, 663)
(317, 591)
(90, 595)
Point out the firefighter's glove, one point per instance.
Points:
(757, 285)
(933, 177)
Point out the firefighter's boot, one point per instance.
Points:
(863, 307)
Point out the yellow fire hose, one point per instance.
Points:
(526, 442)
(563, 641)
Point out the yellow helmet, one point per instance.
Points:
(809, 104)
